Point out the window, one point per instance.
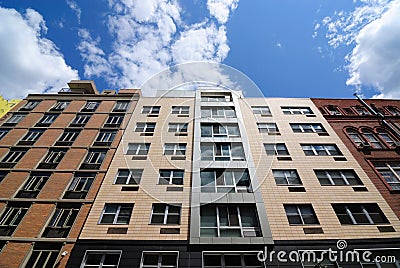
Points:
(218, 112)
(276, 149)
(94, 159)
(62, 220)
(53, 158)
(31, 137)
(151, 110)
(337, 177)
(316, 259)
(30, 105)
(262, 110)
(307, 128)
(34, 185)
(231, 259)
(13, 157)
(14, 119)
(166, 214)
(12, 216)
(320, 149)
(138, 148)
(91, 106)
(180, 110)
(300, 214)
(145, 127)
(355, 137)
(47, 120)
(80, 120)
(229, 221)
(3, 132)
(372, 139)
(361, 110)
(267, 128)
(44, 255)
(128, 176)
(333, 110)
(393, 110)
(68, 137)
(177, 149)
(222, 152)
(105, 138)
(114, 121)
(61, 105)
(385, 136)
(286, 177)
(297, 110)
(216, 97)
(101, 259)
(178, 127)
(390, 172)
(225, 181)
(220, 130)
(359, 214)
(171, 176)
(154, 259)
(80, 186)
(3, 174)
(121, 106)
(116, 214)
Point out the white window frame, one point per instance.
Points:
(172, 176)
(225, 185)
(276, 151)
(225, 130)
(300, 214)
(35, 182)
(91, 105)
(30, 105)
(226, 154)
(54, 156)
(60, 105)
(106, 136)
(88, 180)
(261, 110)
(116, 214)
(138, 149)
(121, 106)
(145, 127)
(15, 118)
(218, 112)
(48, 119)
(13, 156)
(216, 98)
(222, 255)
(183, 110)
(365, 213)
(32, 135)
(131, 178)
(178, 127)
(153, 110)
(394, 172)
(115, 120)
(287, 176)
(268, 127)
(9, 216)
(57, 220)
(315, 151)
(296, 110)
(304, 127)
(49, 252)
(104, 253)
(166, 213)
(159, 264)
(81, 119)
(95, 157)
(332, 181)
(174, 148)
(4, 132)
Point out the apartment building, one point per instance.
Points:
(209, 178)
(371, 131)
(55, 150)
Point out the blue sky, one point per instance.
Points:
(307, 48)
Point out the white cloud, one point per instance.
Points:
(150, 36)
(220, 9)
(373, 28)
(375, 59)
(74, 6)
(29, 63)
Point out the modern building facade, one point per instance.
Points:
(371, 131)
(209, 178)
(55, 150)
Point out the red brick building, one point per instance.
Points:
(371, 130)
(54, 152)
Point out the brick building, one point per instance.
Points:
(55, 150)
(371, 131)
